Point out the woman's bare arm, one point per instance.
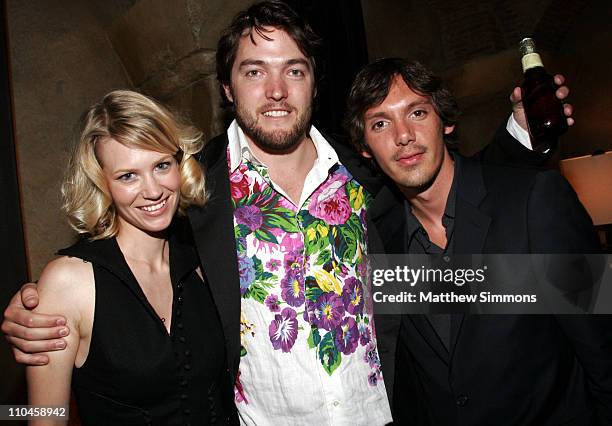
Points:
(66, 286)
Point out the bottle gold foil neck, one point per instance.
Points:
(527, 46)
(531, 60)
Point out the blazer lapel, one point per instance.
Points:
(428, 333)
(471, 224)
(213, 231)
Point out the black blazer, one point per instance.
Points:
(500, 369)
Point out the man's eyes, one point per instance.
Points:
(253, 73)
(295, 72)
(379, 125)
(419, 113)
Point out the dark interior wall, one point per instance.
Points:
(473, 44)
(343, 54)
(587, 48)
(61, 62)
(13, 262)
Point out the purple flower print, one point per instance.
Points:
(328, 311)
(347, 336)
(371, 356)
(250, 216)
(292, 288)
(364, 334)
(373, 379)
(283, 330)
(273, 264)
(362, 269)
(293, 260)
(330, 202)
(352, 296)
(272, 303)
(246, 271)
(362, 216)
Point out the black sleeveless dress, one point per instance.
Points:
(138, 374)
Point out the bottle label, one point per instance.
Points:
(531, 60)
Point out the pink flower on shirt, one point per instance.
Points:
(330, 202)
(239, 183)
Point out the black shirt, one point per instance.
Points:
(416, 241)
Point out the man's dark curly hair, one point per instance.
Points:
(372, 85)
(272, 13)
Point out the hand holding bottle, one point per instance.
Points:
(561, 93)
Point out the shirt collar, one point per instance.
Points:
(239, 149)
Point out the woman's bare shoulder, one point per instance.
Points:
(66, 274)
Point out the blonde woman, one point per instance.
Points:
(146, 345)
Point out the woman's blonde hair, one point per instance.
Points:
(135, 121)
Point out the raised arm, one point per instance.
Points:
(511, 144)
(66, 285)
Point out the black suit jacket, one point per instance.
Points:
(500, 369)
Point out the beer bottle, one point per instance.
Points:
(544, 111)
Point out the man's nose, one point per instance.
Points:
(404, 133)
(276, 88)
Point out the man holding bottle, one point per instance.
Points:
(455, 369)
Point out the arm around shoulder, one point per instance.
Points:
(66, 285)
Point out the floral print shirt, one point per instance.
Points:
(308, 344)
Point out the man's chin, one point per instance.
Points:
(277, 142)
(415, 186)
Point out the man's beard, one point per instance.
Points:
(275, 141)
